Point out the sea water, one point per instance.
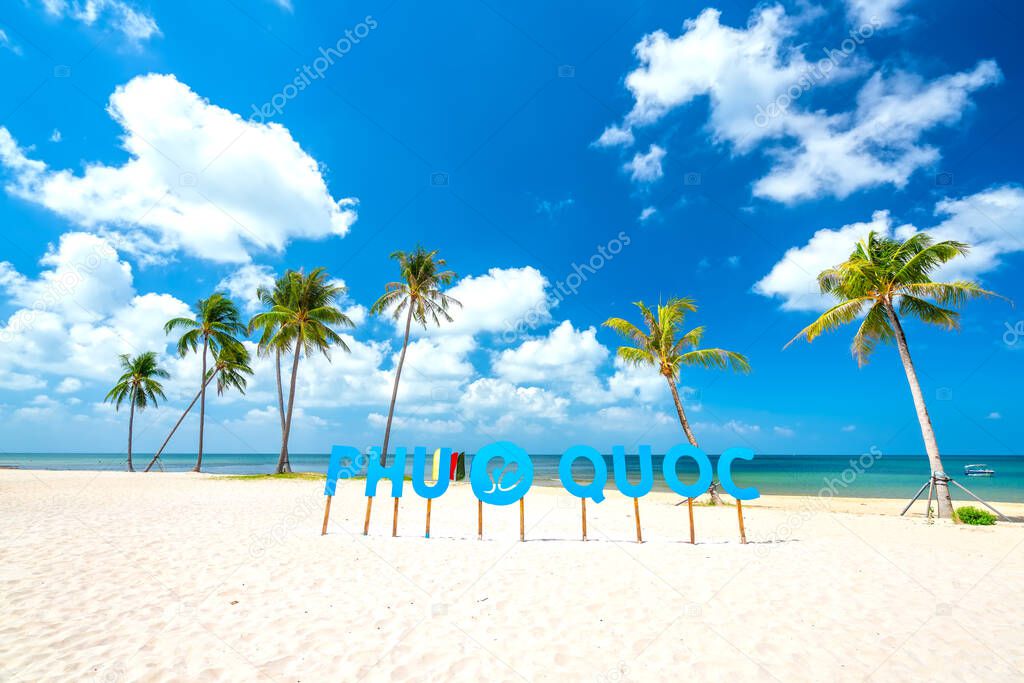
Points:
(885, 476)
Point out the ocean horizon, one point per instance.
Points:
(847, 476)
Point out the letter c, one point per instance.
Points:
(725, 474)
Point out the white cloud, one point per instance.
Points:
(499, 406)
(415, 424)
(614, 136)
(646, 168)
(243, 283)
(80, 313)
(198, 178)
(647, 213)
(849, 428)
(794, 278)
(133, 24)
(991, 221)
(55, 136)
(754, 78)
(5, 41)
(284, 4)
(637, 384)
(880, 13)
(876, 144)
(994, 416)
(69, 385)
(783, 431)
(732, 426)
(499, 301)
(566, 355)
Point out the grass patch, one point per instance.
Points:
(974, 516)
(287, 475)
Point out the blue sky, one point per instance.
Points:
(151, 153)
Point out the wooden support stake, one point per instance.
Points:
(739, 513)
(366, 524)
(522, 520)
(636, 514)
(428, 518)
(583, 502)
(689, 506)
(327, 515)
(479, 520)
(394, 520)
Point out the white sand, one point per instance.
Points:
(118, 577)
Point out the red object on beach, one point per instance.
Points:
(454, 465)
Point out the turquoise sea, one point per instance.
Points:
(869, 476)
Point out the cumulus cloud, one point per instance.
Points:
(80, 312)
(500, 407)
(646, 167)
(566, 355)
(991, 221)
(495, 302)
(754, 78)
(243, 284)
(647, 213)
(199, 178)
(121, 16)
(881, 13)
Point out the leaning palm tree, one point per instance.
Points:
(891, 280)
(419, 295)
(663, 347)
(138, 385)
(218, 326)
(230, 368)
(279, 295)
(303, 320)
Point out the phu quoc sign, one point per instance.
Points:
(509, 480)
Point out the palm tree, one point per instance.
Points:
(139, 386)
(303, 319)
(279, 295)
(662, 347)
(218, 326)
(230, 368)
(418, 294)
(891, 280)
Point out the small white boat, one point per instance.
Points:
(979, 470)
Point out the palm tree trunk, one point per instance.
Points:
(394, 390)
(280, 410)
(176, 425)
(131, 427)
(931, 446)
(682, 415)
(282, 462)
(202, 407)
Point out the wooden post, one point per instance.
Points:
(366, 524)
(394, 520)
(428, 518)
(522, 520)
(479, 520)
(636, 514)
(689, 506)
(739, 513)
(583, 502)
(327, 515)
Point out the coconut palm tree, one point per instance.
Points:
(890, 280)
(217, 325)
(230, 368)
(419, 295)
(278, 295)
(138, 385)
(303, 320)
(663, 347)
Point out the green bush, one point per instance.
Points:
(972, 515)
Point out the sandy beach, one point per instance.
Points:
(119, 577)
